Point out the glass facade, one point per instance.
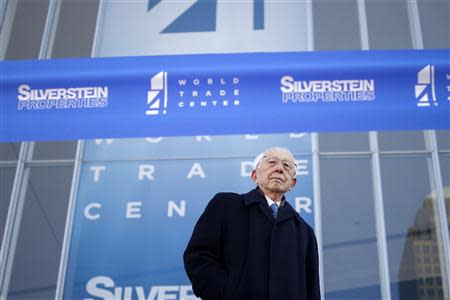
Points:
(383, 198)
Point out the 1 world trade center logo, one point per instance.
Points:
(201, 16)
(425, 89)
(157, 95)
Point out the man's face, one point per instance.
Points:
(275, 172)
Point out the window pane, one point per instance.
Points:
(388, 24)
(6, 183)
(27, 29)
(443, 139)
(36, 260)
(434, 19)
(413, 247)
(401, 140)
(75, 31)
(9, 151)
(213, 146)
(349, 234)
(343, 141)
(336, 25)
(445, 172)
(55, 150)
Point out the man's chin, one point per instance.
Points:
(277, 188)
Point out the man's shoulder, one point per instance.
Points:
(228, 196)
(224, 201)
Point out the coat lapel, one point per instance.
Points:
(256, 197)
(287, 212)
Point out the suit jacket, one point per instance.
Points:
(238, 251)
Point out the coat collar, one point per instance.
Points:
(256, 196)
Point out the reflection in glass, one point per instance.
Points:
(36, 260)
(336, 25)
(54, 150)
(343, 141)
(388, 25)
(435, 23)
(27, 28)
(348, 225)
(420, 272)
(443, 139)
(9, 151)
(401, 140)
(414, 249)
(445, 172)
(6, 183)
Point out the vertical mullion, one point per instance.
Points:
(317, 206)
(3, 6)
(442, 231)
(440, 213)
(69, 221)
(414, 24)
(363, 30)
(315, 161)
(7, 17)
(76, 177)
(383, 261)
(51, 23)
(13, 219)
(310, 25)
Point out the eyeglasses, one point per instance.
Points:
(273, 161)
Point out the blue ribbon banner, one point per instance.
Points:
(225, 94)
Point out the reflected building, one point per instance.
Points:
(420, 275)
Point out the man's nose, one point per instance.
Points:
(279, 167)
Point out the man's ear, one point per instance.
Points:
(254, 177)
(294, 182)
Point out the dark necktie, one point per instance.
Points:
(274, 208)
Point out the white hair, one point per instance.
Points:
(260, 156)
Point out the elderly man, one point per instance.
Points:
(255, 246)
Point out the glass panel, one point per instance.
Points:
(214, 146)
(38, 250)
(75, 30)
(158, 184)
(343, 141)
(349, 234)
(55, 150)
(9, 151)
(27, 29)
(413, 248)
(401, 140)
(434, 19)
(336, 25)
(445, 172)
(443, 139)
(388, 24)
(131, 28)
(6, 183)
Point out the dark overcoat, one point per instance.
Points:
(238, 251)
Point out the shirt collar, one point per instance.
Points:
(270, 201)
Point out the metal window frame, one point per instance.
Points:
(315, 161)
(442, 231)
(12, 225)
(17, 197)
(24, 164)
(76, 177)
(380, 222)
(69, 221)
(7, 14)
